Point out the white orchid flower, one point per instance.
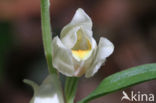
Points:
(76, 52)
(47, 92)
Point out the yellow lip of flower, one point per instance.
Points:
(82, 48)
(82, 54)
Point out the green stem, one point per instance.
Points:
(47, 34)
(70, 89)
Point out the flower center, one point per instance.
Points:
(82, 48)
(81, 54)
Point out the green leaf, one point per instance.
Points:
(122, 80)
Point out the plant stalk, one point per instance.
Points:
(47, 34)
(70, 89)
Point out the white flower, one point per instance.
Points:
(48, 92)
(76, 52)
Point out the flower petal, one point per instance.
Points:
(70, 39)
(105, 49)
(48, 92)
(80, 19)
(62, 58)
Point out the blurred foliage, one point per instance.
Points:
(5, 42)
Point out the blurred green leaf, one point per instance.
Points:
(5, 42)
(122, 80)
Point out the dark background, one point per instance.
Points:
(129, 24)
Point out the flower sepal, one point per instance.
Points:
(48, 92)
